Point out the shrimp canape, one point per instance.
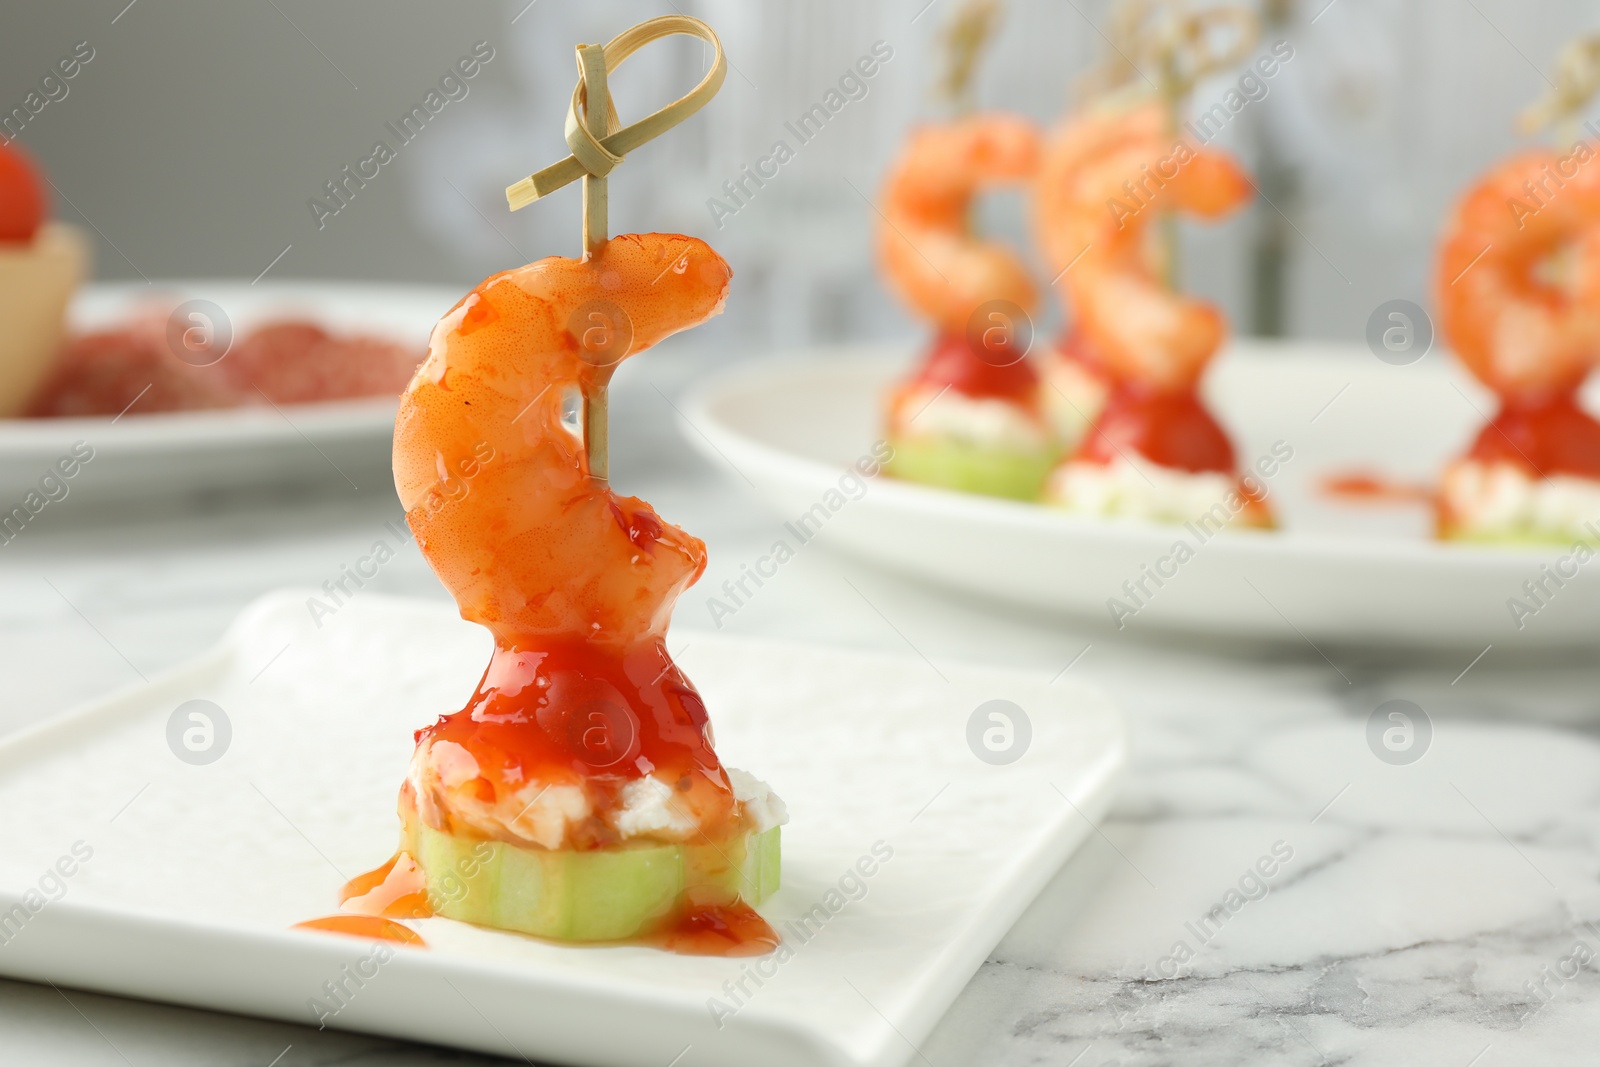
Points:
(1123, 384)
(968, 415)
(1153, 450)
(1518, 287)
(577, 796)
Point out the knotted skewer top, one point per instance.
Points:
(1577, 82)
(599, 142)
(1178, 41)
(597, 139)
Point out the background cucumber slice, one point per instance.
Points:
(972, 468)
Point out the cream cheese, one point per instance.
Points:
(543, 813)
(1150, 492)
(1499, 500)
(982, 420)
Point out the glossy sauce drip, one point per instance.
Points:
(363, 884)
(1000, 372)
(367, 927)
(716, 930)
(371, 903)
(1364, 487)
(396, 890)
(1172, 429)
(1542, 436)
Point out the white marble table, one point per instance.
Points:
(1439, 913)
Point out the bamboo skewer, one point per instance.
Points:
(966, 37)
(596, 118)
(597, 114)
(599, 142)
(1175, 39)
(964, 40)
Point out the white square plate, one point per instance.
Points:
(196, 873)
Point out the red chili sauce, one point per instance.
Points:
(366, 927)
(608, 715)
(997, 371)
(1543, 436)
(1172, 429)
(1365, 487)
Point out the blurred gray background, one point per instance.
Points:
(198, 134)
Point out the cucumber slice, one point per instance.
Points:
(971, 467)
(599, 895)
(1518, 537)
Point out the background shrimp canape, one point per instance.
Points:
(1153, 451)
(1519, 300)
(968, 416)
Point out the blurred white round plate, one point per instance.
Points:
(1336, 571)
(145, 455)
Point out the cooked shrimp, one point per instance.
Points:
(1104, 176)
(575, 582)
(924, 238)
(536, 549)
(1517, 324)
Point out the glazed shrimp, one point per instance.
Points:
(533, 549)
(923, 239)
(575, 582)
(1521, 332)
(1104, 176)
